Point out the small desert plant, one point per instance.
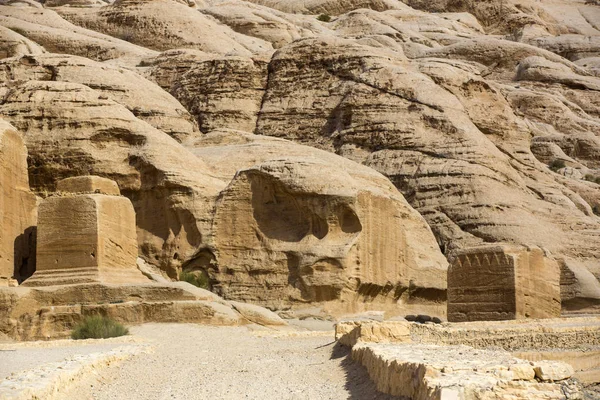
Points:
(98, 327)
(592, 178)
(127, 35)
(197, 278)
(324, 18)
(556, 164)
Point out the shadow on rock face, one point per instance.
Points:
(24, 254)
(358, 382)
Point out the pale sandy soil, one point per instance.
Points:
(203, 362)
(18, 357)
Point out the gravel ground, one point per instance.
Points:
(17, 358)
(204, 362)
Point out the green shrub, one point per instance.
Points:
(196, 278)
(98, 327)
(324, 18)
(592, 178)
(557, 164)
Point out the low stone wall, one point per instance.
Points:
(563, 333)
(431, 372)
(585, 362)
(461, 360)
(49, 381)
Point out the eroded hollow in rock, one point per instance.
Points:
(277, 212)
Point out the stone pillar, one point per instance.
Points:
(86, 233)
(18, 211)
(500, 282)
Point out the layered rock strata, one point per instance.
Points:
(18, 213)
(86, 233)
(313, 227)
(497, 282)
(51, 312)
(483, 114)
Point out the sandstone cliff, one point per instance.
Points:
(485, 115)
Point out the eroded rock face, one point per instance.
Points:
(312, 227)
(456, 145)
(265, 23)
(163, 25)
(46, 28)
(502, 282)
(144, 99)
(18, 212)
(74, 130)
(484, 114)
(221, 92)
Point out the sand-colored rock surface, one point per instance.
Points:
(46, 28)
(88, 184)
(282, 234)
(221, 92)
(429, 372)
(86, 237)
(490, 283)
(164, 24)
(75, 130)
(344, 260)
(485, 115)
(516, 335)
(143, 98)
(18, 212)
(455, 128)
(51, 312)
(472, 360)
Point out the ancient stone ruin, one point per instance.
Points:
(17, 209)
(434, 165)
(86, 233)
(498, 282)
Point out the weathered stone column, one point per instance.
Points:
(86, 233)
(499, 282)
(17, 209)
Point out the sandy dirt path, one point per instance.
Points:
(203, 362)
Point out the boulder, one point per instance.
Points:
(552, 370)
(256, 314)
